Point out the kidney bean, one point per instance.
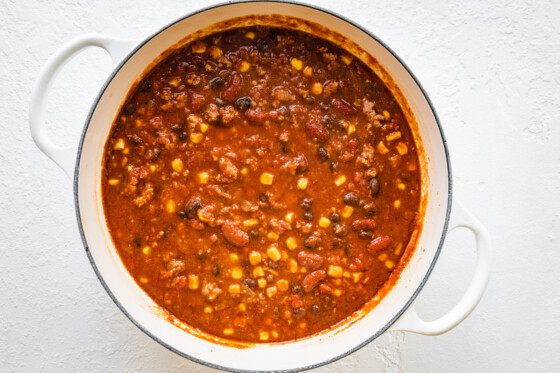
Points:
(301, 161)
(374, 187)
(312, 242)
(364, 224)
(234, 87)
(379, 244)
(312, 280)
(344, 107)
(316, 130)
(309, 260)
(234, 234)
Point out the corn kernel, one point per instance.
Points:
(114, 182)
(250, 35)
(289, 217)
(174, 82)
(296, 63)
(234, 257)
(317, 89)
(334, 271)
(389, 264)
(215, 52)
(258, 271)
(274, 334)
(386, 115)
(351, 129)
(292, 266)
(324, 222)
(208, 309)
(382, 257)
(153, 167)
(146, 250)
(291, 243)
(144, 280)
(203, 177)
(201, 216)
(346, 274)
(198, 48)
(261, 282)
(119, 144)
(271, 291)
(402, 148)
(263, 336)
(244, 66)
(346, 59)
(397, 203)
(381, 148)
(267, 178)
(177, 165)
(203, 127)
(356, 276)
(236, 273)
(308, 71)
(170, 206)
(244, 171)
(337, 292)
(398, 249)
(393, 136)
(273, 253)
(193, 282)
(401, 186)
(272, 236)
(234, 289)
(250, 222)
(302, 183)
(347, 211)
(284, 254)
(283, 285)
(196, 137)
(228, 331)
(255, 257)
(340, 180)
(242, 307)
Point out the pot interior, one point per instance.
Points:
(311, 351)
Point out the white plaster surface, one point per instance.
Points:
(492, 69)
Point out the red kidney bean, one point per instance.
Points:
(309, 260)
(234, 234)
(364, 224)
(313, 279)
(379, 244)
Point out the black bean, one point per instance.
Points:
(167, 231)
(276, 311)
(309, 100)
(285, 148)
(216, 270)
(201, 255)
(322, 153)
(285, 111)
(137, 242)
(129, 108)
(253, 234)
(263, 201)
(145, 86)
(135, 140)
(270, 278)
(340, 230)
(325, 105)
(307, 216)
(336, 242)
(306, 204)
(374, 187)
(273, 265)
(316, 310)
(243, 103)
(312, 242)
(250, 283)
(183, 135)
(299, 313)
(216, 82)
(191, 208)
(369, 209)
(262, 45)
(351, 199)
(335, 217)
(365, 235)
(296, 289)
(405, 176)
(334, 166)
(328, 302)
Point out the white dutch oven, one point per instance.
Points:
(394, 312)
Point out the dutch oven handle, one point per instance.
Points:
(411, 322)
(65, 157)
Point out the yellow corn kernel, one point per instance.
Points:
(138, 123)
(337, 292)
(144, 280)
(351, 129)
(347, 211)
(291, 243)
(296, 63)
(340, 180)
(203, 177)
(263, 336)
(289, 217)
(357, 276)
(234, 257)
(346, 59)
(255, 257)
(272, 236)
(177, 165)
(308, 71)
(386, 115)
(234, 289)
(250, 222)
(317, 89)
(273, 253)
(398, 249)
(250, 35)
(381, 148)
(334, 271)
(271, 291)
(267, 178)
(258, 271)
(382, 257)
(302, 183)
(237, 273)
(146, 250)
(203, 127)
(389, 264)
(228, 331)
(153, 167)
(193, 282)
(274, 334)
(242, 307)
(283, 285)
(174, 82)
(324, 222)
(208, 309)
(292, 266)
(201, 216)
(196, 137)
(170, 206)
(346, 274)
(397, 203)
(198, 48)
(244, 66)
(401, 186)
(402, 148)
(113, 182)
(302, 325)
(119, 144)
(261, 282)
(215, 52)
(393, 136)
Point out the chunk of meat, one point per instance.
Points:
(234, 235)
(260, 116)
(228, 114)
(197, 101)
(211, 291)
(146, 195)
(234, 87)
(228, 169)
(313, 279)
(212, 113)
(174, 266)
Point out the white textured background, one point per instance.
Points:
(492, 69)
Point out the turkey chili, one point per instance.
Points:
(261, 184)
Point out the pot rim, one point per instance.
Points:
(117, 69)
